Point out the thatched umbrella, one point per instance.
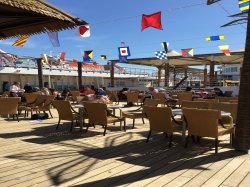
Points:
(28, 17)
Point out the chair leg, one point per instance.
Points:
(149, 133)
(13, 116)
(105, 128)
(232, 138)
(186, 143)
(170, 140)
(58, 124)
(17, 117)
(143, 121)
(216, 145)
(133, 123)
(50, 114)
(87, 128)
(124, 122)
(71, 127)
(166, 134)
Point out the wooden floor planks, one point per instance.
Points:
(35, 154)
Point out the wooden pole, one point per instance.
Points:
(112, 72)
(166, 74)
(79, 65)
(205, 77)
(40, 72)
(211, 74)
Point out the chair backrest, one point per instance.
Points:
(132, 96)
(195, 104)
(64, 109)
(159, 118)
(160, 96)
(187, 96)
(226, 99)
(74, 95)
(97, 112)
(227, 107)
(9, 105)
(6, 94)
(202, 122)
(30, 97)
(151, 102)
(48, 101)
(40, 100)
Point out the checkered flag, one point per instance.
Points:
(161, 55)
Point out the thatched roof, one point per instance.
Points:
(27, 17)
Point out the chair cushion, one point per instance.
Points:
(222, 131)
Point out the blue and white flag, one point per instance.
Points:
(124, 51)
(161, 55)
(53, 36)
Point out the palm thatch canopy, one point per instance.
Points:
(28, 17)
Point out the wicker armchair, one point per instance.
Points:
(162, 120)
(206, 123)
(99, 115)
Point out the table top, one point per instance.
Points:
(178, 111)
(115, 106)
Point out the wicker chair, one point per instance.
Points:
(138, 113)
(162, 120)
(65, 112)
(206, 123)
(99, 115)
(187, 96)
(226, 107)
(33, 106)
(9, 106)
(133, 97)
(195, 104)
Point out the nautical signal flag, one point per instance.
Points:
(215, 38)
(225, 49)
(53, 36)
(152, 20)
(187, 52)
(123, 59)
(244, 5)
(62, 56)
(44, 59)
(124, 51)
(84, 31)
(87, 56)
(104, 57)
(165, 46)
(21, 41)
(161, 54)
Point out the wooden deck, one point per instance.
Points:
(35, 154)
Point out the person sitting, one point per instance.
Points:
(45, 91)
(28, 88)
(86, 90)
(122, 94)
(100, 91)
(15, 90)
(152, 90)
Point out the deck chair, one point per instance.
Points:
(187, 96)
(138, 113)
(46, 106)
(161, 97)
(195, 104)
(206, 123)
(65, 112)
(99, 115)
(9, 106)
(162, 120)
(74, 95)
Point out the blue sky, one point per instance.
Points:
(186, 23)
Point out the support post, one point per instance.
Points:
(112, 75)
(79, 65)
(159, 76)
(40, 72)
(205, 77)
(166, 74)
(211, 74)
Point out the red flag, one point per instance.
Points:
(152, 20)
(62, 56)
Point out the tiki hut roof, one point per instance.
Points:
(28, 17)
